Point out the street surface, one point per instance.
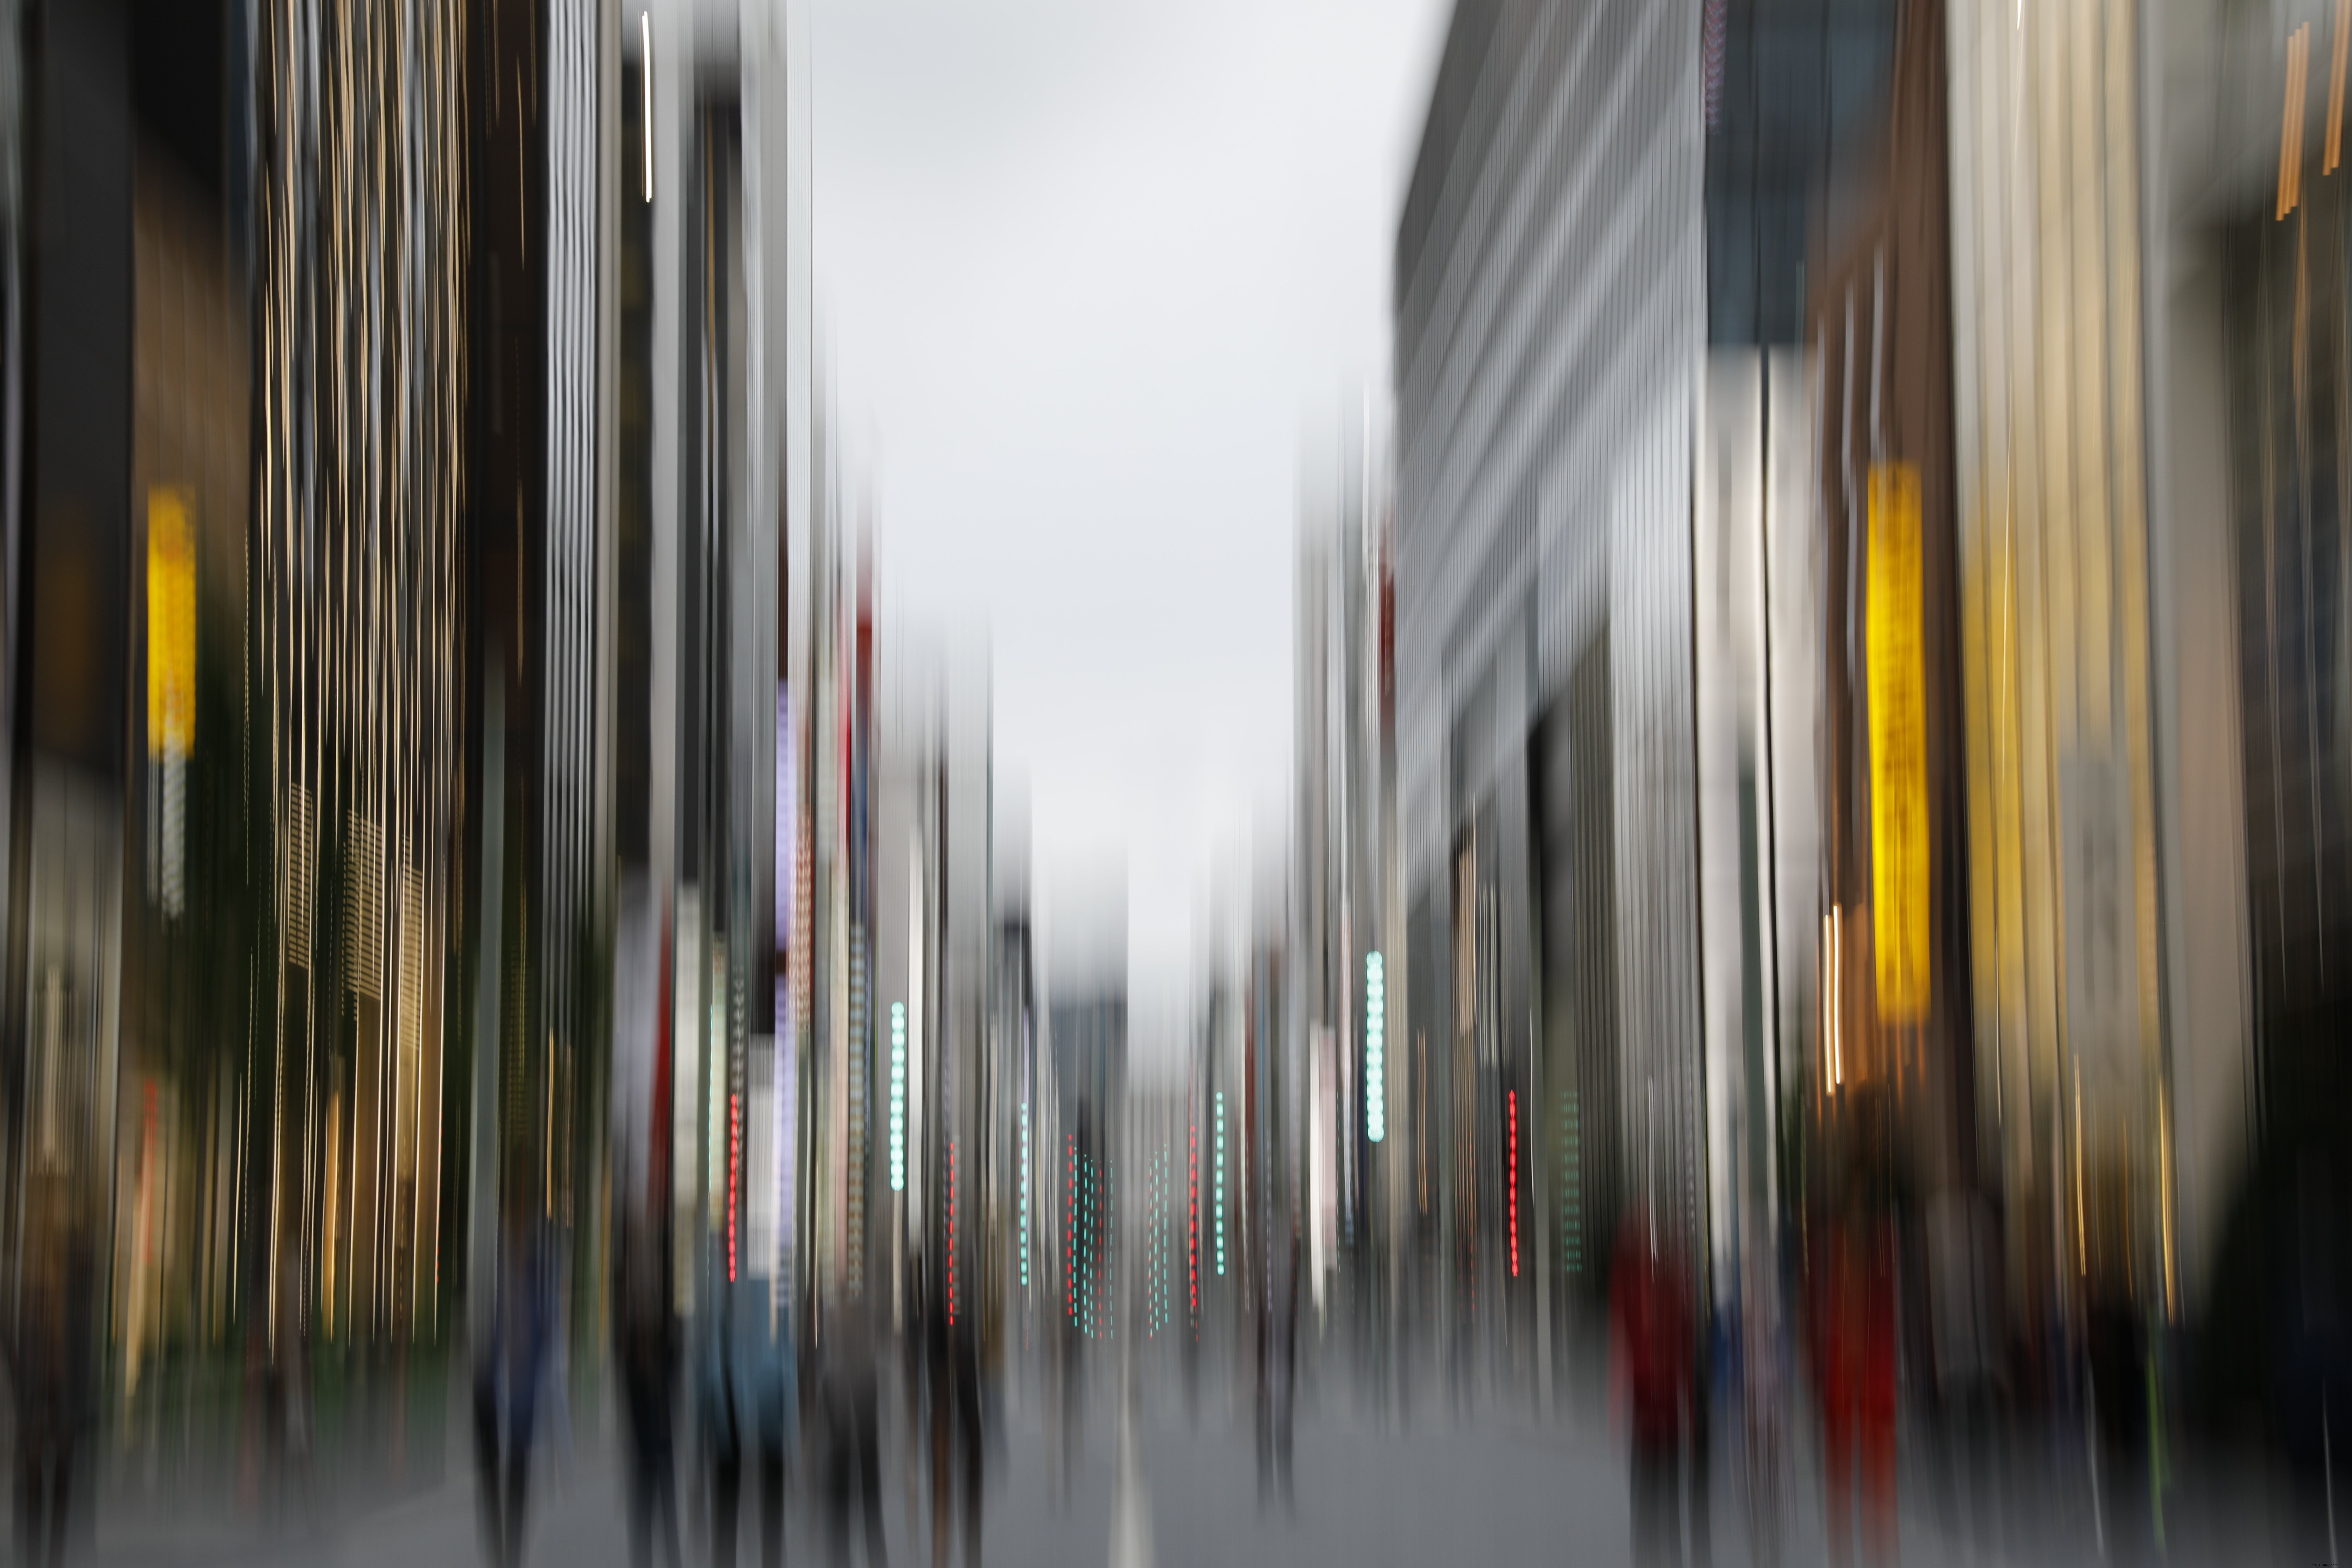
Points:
(1500, 1489)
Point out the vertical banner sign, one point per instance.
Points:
(171, 623)
(1898, 746)
(171, 687)
(1376, 1041)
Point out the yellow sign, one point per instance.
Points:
(1898, 746)
(171, 623)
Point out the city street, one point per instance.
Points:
(1362, 1497)
(1498, 1491)
(1473, 783)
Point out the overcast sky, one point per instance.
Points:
(1086, 271)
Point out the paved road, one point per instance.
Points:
(1498, 1491)
(1360, 1497)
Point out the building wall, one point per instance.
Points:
(2048, 389)
(1759, 632)
(186, 995)
(2209, 1002)
(2289, 306)
(357, 582)
(1550, 317)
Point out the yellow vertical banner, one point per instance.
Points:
(1898, 746)
(171, 623)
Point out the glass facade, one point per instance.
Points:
(1792, 87)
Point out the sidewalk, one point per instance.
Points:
(1366, 1494)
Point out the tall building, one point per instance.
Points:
(2150, 504)
(1793, 101)
(1213, 1164)
(1550, 309)
(124, 397)
(1014, 1027)
(2062, 617)
(1086, 1052)
(403, 391)
(367, 480)
(1343, 835)
(2211, 286)
(841, 879)
(721, 821)
(940, 1108)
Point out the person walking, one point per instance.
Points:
(1854, 1319)
(718, 1420)
(43, 1371)
(849, 1395)
(507, 1376)
(952, 1373)
(1654, 1386)
(1282, 1345)
(646, 1349)
(767, 1365)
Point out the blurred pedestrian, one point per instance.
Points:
(1654, 1386)
(952, 1373)
(1964, 1318)
(1285, 1368)
(1277, 1346)
(556, 1380)
(1762, 1387)
(770, 1398)
(2116, 1346)
(1853, 1368)
(286, 1381)
(719, 1421)
(1068, 1412)
(646, 1349)
(508, 1373)
(42, 1344)
(2309, 1352)
(745, 1393)
(848, 1395)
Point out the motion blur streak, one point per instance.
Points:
(1789, 999)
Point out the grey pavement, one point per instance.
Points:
(1490, 1491)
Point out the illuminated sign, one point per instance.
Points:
(171, 623)
(1221, 1181)
(1898, 746)
(171, 684)
(1193, 1219)
(1515, 1183)
(1376, 1046)
(898, 1096)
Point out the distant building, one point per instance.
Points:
(1086, 1039)
(939, 1110)
(1343, 840)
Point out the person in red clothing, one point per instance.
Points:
(1853, 1370)
(1653, 1388)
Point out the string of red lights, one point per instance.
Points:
(734, 1171)
(1514, 1178)
(1192, 1220)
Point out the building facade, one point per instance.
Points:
(1550, 310)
